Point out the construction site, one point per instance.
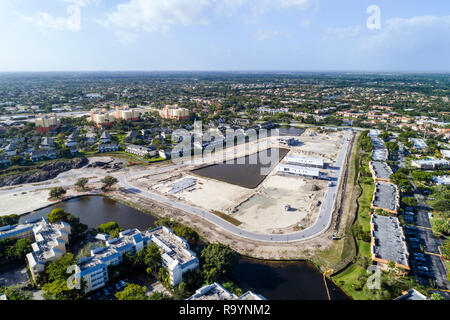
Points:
(277, 201)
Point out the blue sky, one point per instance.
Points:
(299, 35)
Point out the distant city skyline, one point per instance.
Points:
(225, 35)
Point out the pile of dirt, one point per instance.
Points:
(310, 187)
(310, 133)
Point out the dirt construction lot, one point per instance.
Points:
(280, 204)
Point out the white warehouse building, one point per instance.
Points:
(297, 170)
(305, 161)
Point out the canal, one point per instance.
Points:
(297, 280)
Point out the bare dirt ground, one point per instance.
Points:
(26, 198)
(260, 210)
(289, 251)
(276, 190)
(265, 211)
(322, 250)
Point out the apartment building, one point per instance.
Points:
(141, 151)
(380, 171)
(50, 241)
(419, 144)
(386, 197)
(216, 292)
(108, 147)
(174, 112)
(46, 123)
(50, 245)
(388, 242)
(127, 114)
(176, 256)
(102, 118)
(431, 164)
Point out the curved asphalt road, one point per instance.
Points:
(321, 225)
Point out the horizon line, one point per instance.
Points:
(231, 71)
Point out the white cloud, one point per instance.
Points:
(71, 22)
(156, 15)
(257, 8)
(126, 38)
(344, 33)
(266, 35)
(45, 20)
(400, 43)
(82, 3)
(409, 33)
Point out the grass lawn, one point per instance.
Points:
(227, 218)
(125, 156)
(342, 251)
(349, 276)
(447, 267)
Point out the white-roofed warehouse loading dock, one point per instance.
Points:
(297, 170)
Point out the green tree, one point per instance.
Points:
(9, 220)
(152, 258)
(16, 160)
(132, 292)
(17, 293)
(57, 270)
(188, 234)
(81, 183)
(220, 257)
(193, 279)
(164, 276)
(108, 182)
(21, 248)
(181, 292)
(57, 192)
(437, 296)
(441, 205)
(109, 228)
(445, 248)
(58, 290)
(58, 215)
(440, 225)
(160, 296)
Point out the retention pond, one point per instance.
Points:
(297, 280)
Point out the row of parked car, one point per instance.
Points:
(109, 292)
(416, 245)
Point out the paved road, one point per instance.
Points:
(321, 225)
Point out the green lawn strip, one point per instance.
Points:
(227, 218)
(447, 267)
(349, 276)
(124, 155)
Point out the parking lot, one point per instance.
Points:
(14, 276)
(109, 292)
(426, 265)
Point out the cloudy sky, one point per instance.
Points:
(297, 35)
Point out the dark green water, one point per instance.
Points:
(247, 172)
(274, 280)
